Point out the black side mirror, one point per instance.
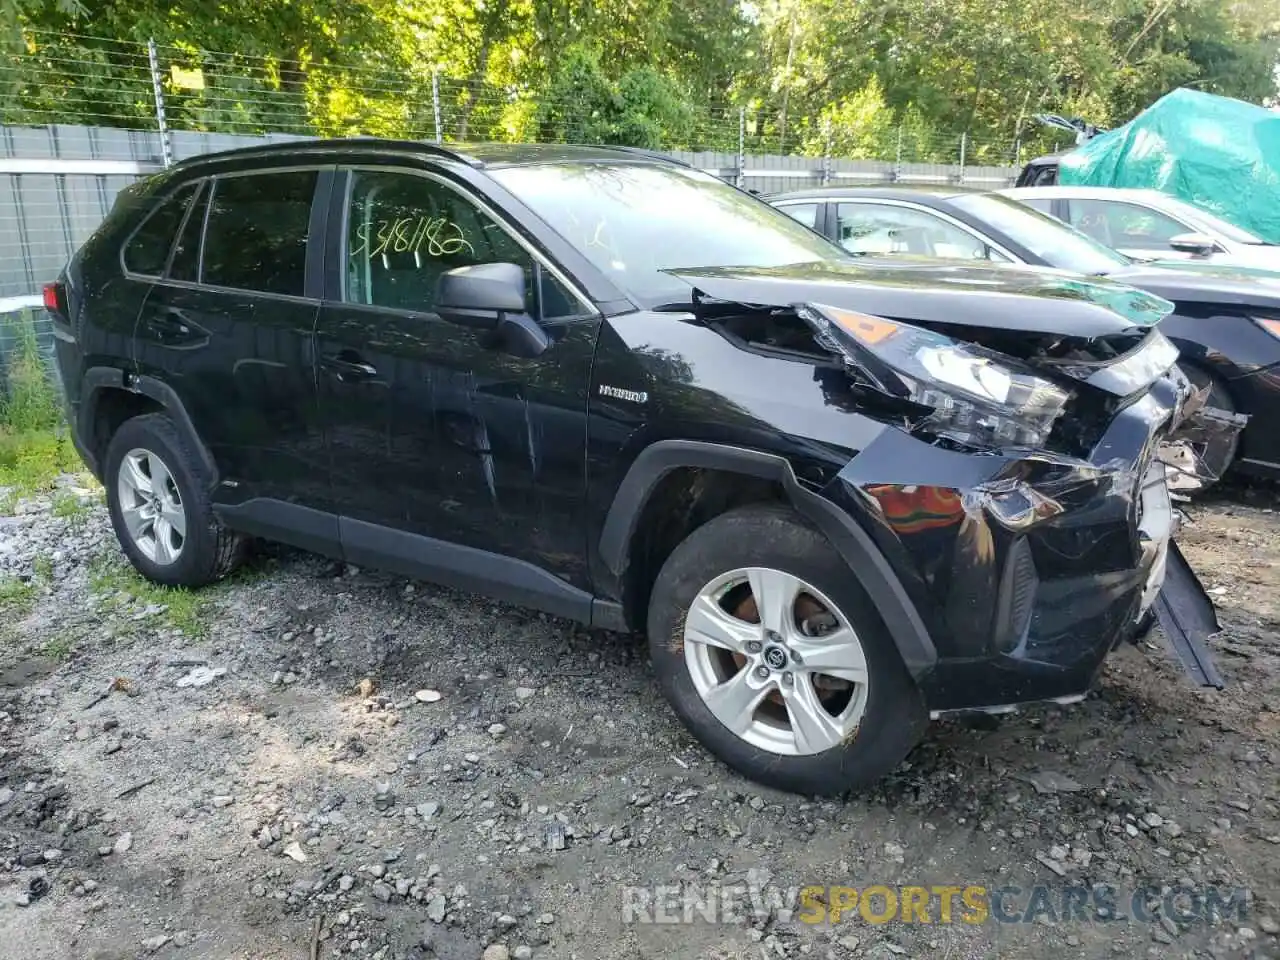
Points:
(478, 295)
(491, 296)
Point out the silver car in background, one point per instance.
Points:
(1150, 225)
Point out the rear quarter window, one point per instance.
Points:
(146, 252)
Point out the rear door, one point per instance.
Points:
(230, 328)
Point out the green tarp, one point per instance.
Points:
(1215, 152)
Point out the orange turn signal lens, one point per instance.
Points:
(1271, 326)
(870, 330)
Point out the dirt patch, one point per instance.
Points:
(535, 804)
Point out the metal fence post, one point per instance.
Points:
(964, 143)
(1017, 153)
(435, 102)
(826, 152)
(741, 178)
(166, 148)
(897, 157)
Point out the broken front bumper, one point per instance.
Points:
(1185, 612)
(1155, 532)
(1028, 571)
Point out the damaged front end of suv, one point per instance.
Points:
(1020, 488)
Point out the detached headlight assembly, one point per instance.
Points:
(966, 393)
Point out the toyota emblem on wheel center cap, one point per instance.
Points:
(775, 657)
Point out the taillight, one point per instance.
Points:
(54, 298)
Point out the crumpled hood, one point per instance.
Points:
(995, 297)
(1098, 333)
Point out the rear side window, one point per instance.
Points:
(256, 233)
(147, 251)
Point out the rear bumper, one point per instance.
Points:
(77, 440)
(1025, 572)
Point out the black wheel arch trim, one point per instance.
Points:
(98, 379)
(852, 542)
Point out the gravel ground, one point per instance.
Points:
(313, 761)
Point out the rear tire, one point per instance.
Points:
(801, 729)
(158, 498)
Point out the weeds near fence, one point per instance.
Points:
(35, 446)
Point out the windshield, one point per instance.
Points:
(1050, 239)
(635, 220)
(1204, 218)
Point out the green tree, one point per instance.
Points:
(869, 79)
(581, 105)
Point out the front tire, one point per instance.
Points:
(776, 659)
(158, 498)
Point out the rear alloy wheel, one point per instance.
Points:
(158, 497)
(151, 507)
(776, 659)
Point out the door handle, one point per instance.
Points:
(170, 326)
(348, 367)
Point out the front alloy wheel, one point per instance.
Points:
(775, 657)
(776, 662)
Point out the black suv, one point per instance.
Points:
(839, 497)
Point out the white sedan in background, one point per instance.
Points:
(1150, 225)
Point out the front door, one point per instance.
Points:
(433, 432)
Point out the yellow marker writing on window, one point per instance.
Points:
(434, 236)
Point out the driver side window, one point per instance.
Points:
(405, 231)
(1120, 225)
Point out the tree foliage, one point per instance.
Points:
(860, 78)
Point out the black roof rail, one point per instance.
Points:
(328, 143)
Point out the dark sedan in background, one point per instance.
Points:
(1225, 323)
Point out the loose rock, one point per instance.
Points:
(294, 851)
(436, 908)
(201, 677)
